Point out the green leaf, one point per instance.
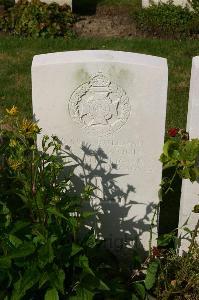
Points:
(134, 297)
(30, 277)
(75, 249)
(45, 254)
(82, 262)
(19, 226)
(44, 278)
(14, 240)
(51, 295)
(83, 294)
(140, 290)
(169, 148)
(151, 274)
(90, 240)
(5, 263)
(23, 250)
(57, 277)
(87, 214)
(56, 213)
(165, 239)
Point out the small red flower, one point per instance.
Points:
(156, 252)
(173, 132)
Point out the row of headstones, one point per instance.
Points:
(60, 2)
(109, 108)
(147, 3)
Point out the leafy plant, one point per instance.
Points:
(43, 251)
(7, 3)
(167, 20)
(38, 19)
(177, 276)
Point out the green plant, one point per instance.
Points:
(167, 20)
(41, 253)
(46, 251)
(177, 276)
(7, 3)
(38, 19)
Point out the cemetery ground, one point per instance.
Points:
(15, 87)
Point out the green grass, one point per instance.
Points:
(16, 58)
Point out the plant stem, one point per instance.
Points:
(195, 233)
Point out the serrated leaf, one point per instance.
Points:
(151, 274)
(44, 278)
(51, 295)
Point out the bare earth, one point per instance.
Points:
(107, 22)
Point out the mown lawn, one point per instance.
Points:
(16, 58)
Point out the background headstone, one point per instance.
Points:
(146, 3)
(190, 191)
(60, 2)
(109, 107)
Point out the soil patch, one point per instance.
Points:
(108, 21)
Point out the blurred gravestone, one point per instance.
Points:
(147, 3)
(190, 191)
(109, 107)
(60, 2)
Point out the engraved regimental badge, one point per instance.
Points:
(99, 105)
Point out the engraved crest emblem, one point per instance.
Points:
(99, 105)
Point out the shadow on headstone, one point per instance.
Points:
(169, 207)
(85, 7)
(121, 235)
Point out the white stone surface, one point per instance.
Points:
(109, 107)
(60, 2)
(190, 191)
(147, 3)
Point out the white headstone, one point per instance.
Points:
(109, 107)
(60, 2)
(147, 3)
(190, 191)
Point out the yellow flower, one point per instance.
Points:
(13, 111)
(15, 164)
(28, 127)
(12, 143)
